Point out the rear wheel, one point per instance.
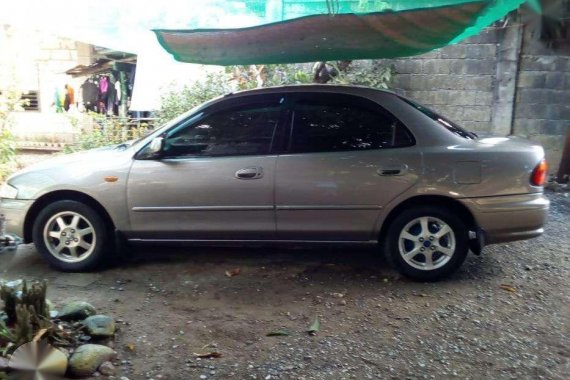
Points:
(427, 243)
(71, 236)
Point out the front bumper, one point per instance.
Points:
(511, 217)
(15, 211)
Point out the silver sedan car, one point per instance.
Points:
(302, 164)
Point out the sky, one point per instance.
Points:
(121, 24)
(125, 25)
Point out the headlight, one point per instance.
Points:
(7, 191)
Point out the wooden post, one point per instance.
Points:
(564, 168)
(506, 76)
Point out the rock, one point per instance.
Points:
(100, 326)
(75, 311)
(107, 369)
(16, 284)
(87, 358)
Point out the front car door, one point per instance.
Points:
(347, 158)
(215, 179)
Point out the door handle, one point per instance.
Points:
(393, 170)
(255, 172)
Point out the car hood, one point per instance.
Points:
(90, 158)
(80, 171)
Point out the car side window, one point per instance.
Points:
(247, 130)
(336, 122)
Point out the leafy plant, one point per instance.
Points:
(374, 75)
(177, 101)
(10, 101)
(106, 132)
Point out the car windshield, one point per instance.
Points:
(443, 121)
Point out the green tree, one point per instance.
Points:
(366, 73)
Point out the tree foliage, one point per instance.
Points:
(366, 73)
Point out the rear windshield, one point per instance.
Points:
(443, 121)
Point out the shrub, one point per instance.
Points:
(107, 131)
(177, 101)
(10, 101)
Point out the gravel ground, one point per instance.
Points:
(173, 303)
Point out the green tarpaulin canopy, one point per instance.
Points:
(316, 30)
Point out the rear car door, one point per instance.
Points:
(347, 157)
(215, 180)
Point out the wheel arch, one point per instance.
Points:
(63, 195)
(432, 200)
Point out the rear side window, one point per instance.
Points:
(337, 122)
(446, 123)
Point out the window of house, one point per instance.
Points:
(31, 101)
(341, 123)
(237, 132)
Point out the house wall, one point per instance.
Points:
(35, 61)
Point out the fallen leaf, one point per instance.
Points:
(208, 355)
(508, 288)
(314, 327)
(233, 272)
(208, 345)
(130, 346)
(279, 332)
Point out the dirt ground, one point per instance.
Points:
(172, 303)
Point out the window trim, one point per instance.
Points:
(294, 97)
(224, 105)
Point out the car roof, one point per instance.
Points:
(308, 88)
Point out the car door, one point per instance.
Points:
(347, 158)
(215, 178)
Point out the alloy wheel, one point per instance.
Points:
(70, 237)
(427, 243)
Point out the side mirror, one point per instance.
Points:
(156, 146)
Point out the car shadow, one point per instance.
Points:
(317, 261)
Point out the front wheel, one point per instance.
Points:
(427, 243)
(71, 236)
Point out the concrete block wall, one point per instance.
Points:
(461, 82)
(457, 80)
(55, 56)
(542, 108)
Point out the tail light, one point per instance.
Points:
(539, 173)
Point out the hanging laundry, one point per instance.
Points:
(69, 97)
(118, 90)
(90, 94)
(104, 84)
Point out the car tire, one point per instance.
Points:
(427, 243)
(71, 236)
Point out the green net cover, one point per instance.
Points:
(294, 31)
